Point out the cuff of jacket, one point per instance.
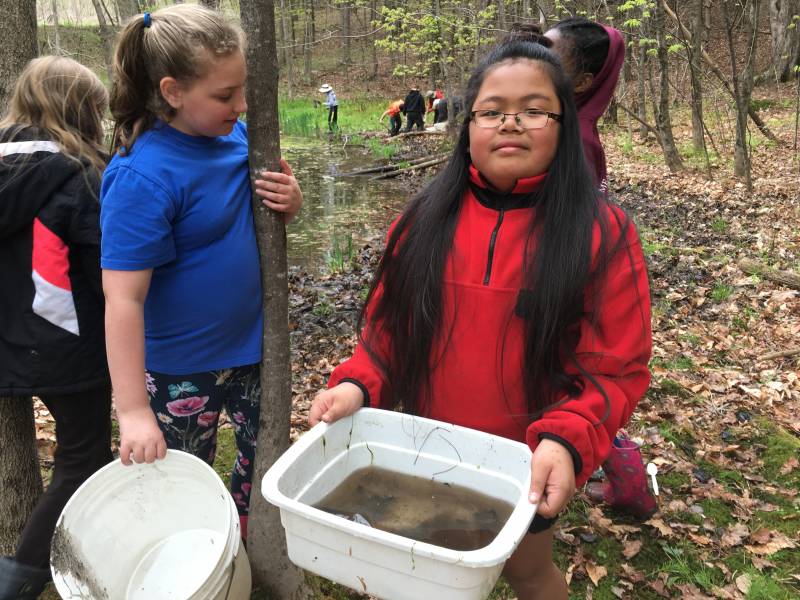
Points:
(360, 386)
(577, 461)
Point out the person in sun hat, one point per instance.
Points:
(331, 103)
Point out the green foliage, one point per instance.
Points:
(426, 39)
(721, 292)
(341, 257)
(719, 225)
(380, 149)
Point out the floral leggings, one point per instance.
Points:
(188, 408)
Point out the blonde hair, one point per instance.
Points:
(181, 42)
(66, 101)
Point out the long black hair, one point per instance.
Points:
(404, 304)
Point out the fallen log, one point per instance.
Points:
(787, 278)
(781, 354)
(424, 165)
(391, 167)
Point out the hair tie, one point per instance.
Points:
(147, 19)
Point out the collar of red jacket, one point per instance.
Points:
(525, 185)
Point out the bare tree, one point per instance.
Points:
(695, 48)
(106, 32)
(661, 109)
(742, 79)
(20, 480)
(266, 543)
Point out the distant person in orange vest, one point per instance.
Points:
(395, 121)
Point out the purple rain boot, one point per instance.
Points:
(626, 489)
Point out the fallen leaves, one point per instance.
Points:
(766, 542)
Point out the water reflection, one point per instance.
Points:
(335, 206)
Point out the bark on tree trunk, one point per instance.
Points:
(663, 121)
(641, 96)
(56, 33)
(212, 4)
(785, 41)
(307, 41)
(287, 54)
(106, 34)
(20, 478)
(18, 28)
(346, 35)
(742, 83)
(696, 49)
(272, 569)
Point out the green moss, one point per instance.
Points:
(781, 446)
(718, 511)
(764, 587)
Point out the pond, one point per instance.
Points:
(336, 209)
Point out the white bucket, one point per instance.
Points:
(166, 530)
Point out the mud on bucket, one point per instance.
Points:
(167, 530)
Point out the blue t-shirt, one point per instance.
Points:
(180, 205)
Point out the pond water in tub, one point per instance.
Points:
(443, 514)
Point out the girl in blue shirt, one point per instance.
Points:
(180, 262)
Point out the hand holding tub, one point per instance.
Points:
(552, 478)
(331, 405)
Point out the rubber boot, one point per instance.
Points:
(626, 488)
(21, 582)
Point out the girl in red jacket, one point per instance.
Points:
(512, 297)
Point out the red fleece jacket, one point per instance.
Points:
(477, 374)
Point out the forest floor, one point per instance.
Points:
(721, 419)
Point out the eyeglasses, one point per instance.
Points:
(531, 118)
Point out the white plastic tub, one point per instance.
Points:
(166, 530)
(382, 564)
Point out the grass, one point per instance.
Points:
(300, 117)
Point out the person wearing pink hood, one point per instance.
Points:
(592, 55)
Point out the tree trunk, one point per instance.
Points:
(106, 35)
(346, 35)
(785, 41)
(56, 32)
(128, 8)
(663, 121)
(641, 96)
(18, 28)
(20, 478)
(307, 40)
(272, 569)
(742, 83)
(212, 4)
(287, 53)
(695, 53)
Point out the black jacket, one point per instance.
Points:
(51, 297)
(414, 103)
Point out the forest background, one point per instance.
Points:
(702, 150)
